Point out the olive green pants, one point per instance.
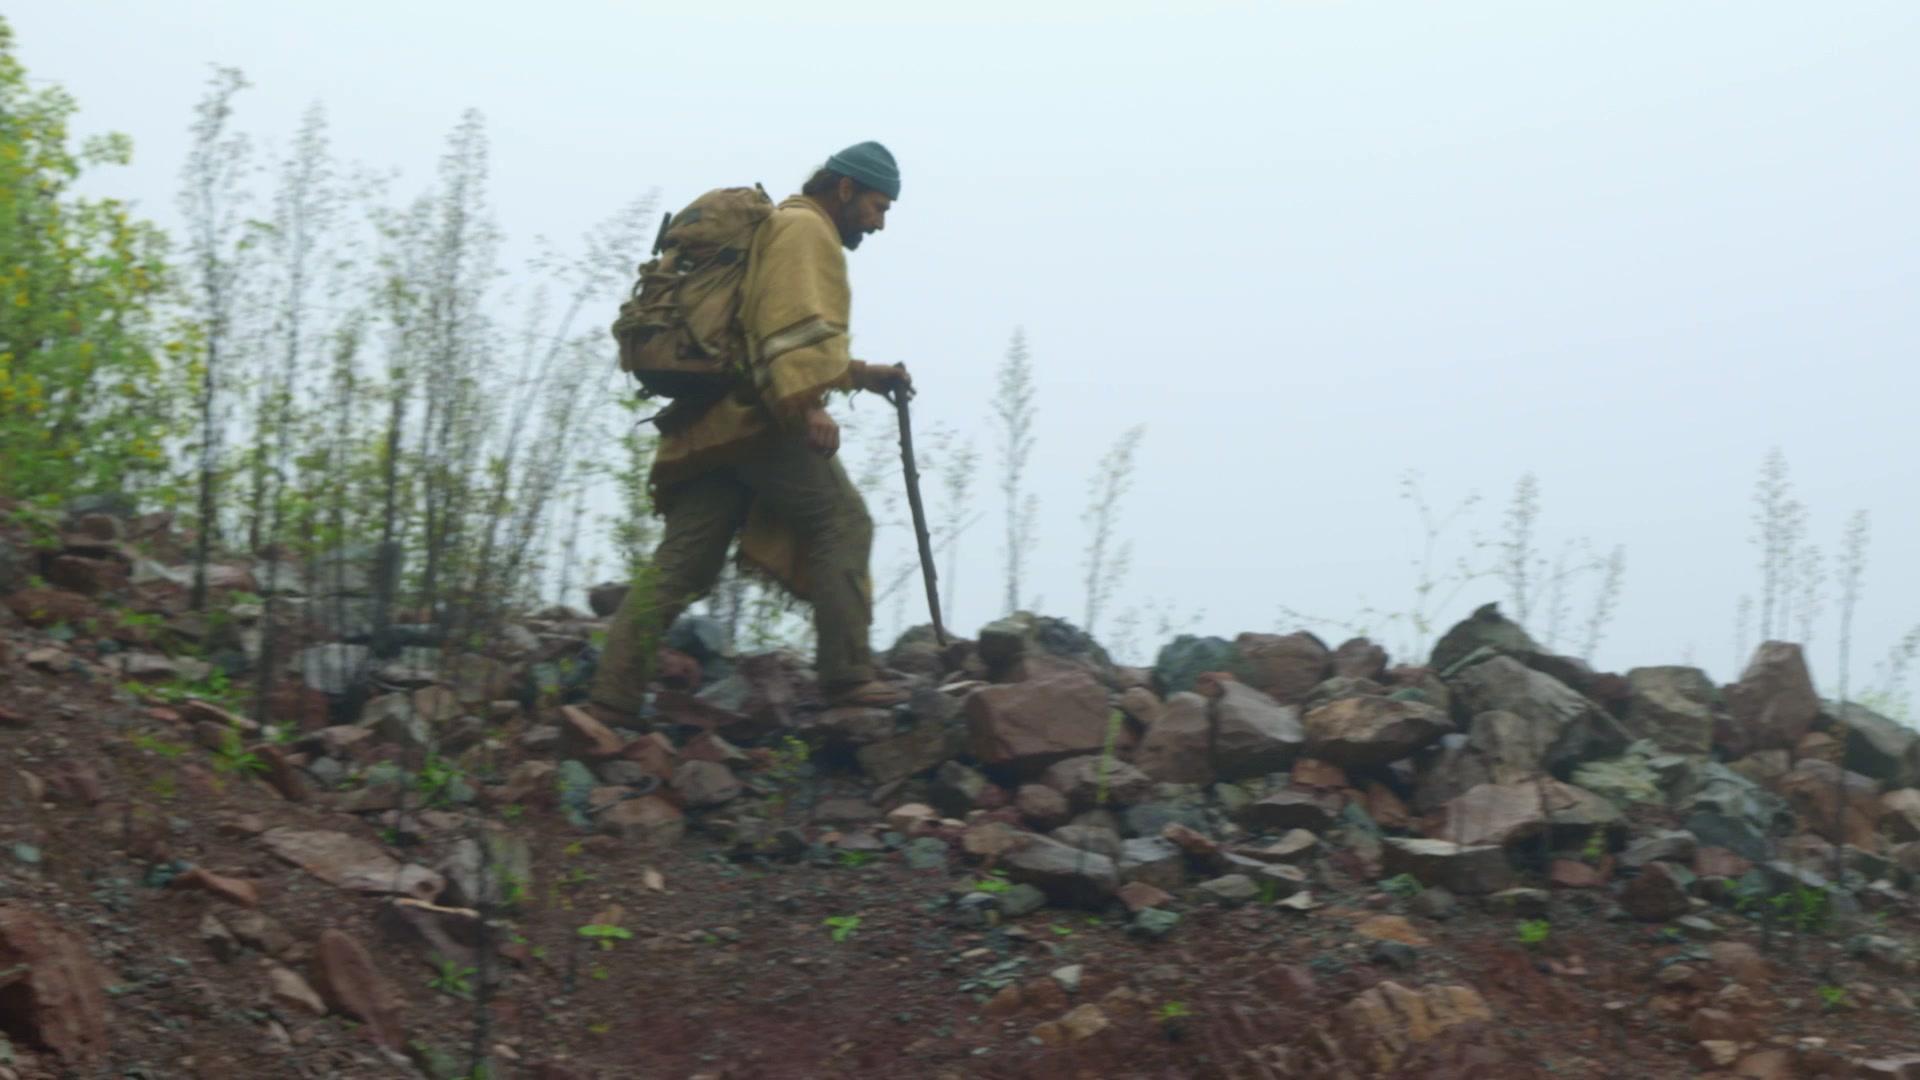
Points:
(813, 495)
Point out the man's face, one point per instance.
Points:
(864, 213)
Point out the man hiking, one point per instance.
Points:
(760, 463)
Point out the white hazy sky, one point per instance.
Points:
(1627, 246)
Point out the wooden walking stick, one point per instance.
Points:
(919, 514)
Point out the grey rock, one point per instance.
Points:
(1486, 629)
(1092, 838)
(1231, 889)
(1097, 780)
(1522, 903)
(1879, 747)
(1187, 657)
(628, 773)
(1066, 874)
(1153, 860)
(1253, 734)
(923, 746)
(1393, 954)
(1737, 835)
(327, 772)
(1629, 778)
(1467, 871)
(1574, 728)
(334, 668)
(1148, 819)
(1676, 845)
(1021, 899)
(505, 873)
(1340, 687)
(1436, 903)
(956, 789)
(1098, 819)
(1002, 642)
(1673, 707)
(1280, 880)
(927, 853)
(1153, 923)
(13, 566)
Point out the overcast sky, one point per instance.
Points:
(1627, 246)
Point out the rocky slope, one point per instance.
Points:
(1264, 858)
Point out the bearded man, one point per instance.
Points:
(761, 465)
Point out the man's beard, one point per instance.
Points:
(850, 237)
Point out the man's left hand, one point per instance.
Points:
(887, 379)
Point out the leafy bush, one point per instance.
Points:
(84, 371)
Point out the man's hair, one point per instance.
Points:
(824, 180)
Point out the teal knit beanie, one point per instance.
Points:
(871, 164)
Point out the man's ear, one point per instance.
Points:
(844, 190)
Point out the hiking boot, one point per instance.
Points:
(872, 694)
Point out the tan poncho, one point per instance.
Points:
(795, 310)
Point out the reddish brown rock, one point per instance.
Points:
(677, 670)
(1511, 813)
(992, 839)
(653, 753)
(289, 990)
(707, 746)
(1043, 807)
(351, 863)
(1657, 894)
(704, 783)
(1092, 780)
(1027, 726)
(1138, 896)
(90, 577)
(1570, 874)
(1842, 807)
(1316, 773)
(1740, 962)
(1359, 732)
(1307, 809)
(1285, 667)
(42, 608)
(1141, 705)
(1191, 841)
(75, 783)
(1719, 862)
(1358, 658)
(650, 821)
(350, 983)
(1176, 748)
(587, 736)
(281, 775)
(1773, 705)
(1385, 808)
(232, 890)
(1900, 815)
(1377, 1032)
(56, 994)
